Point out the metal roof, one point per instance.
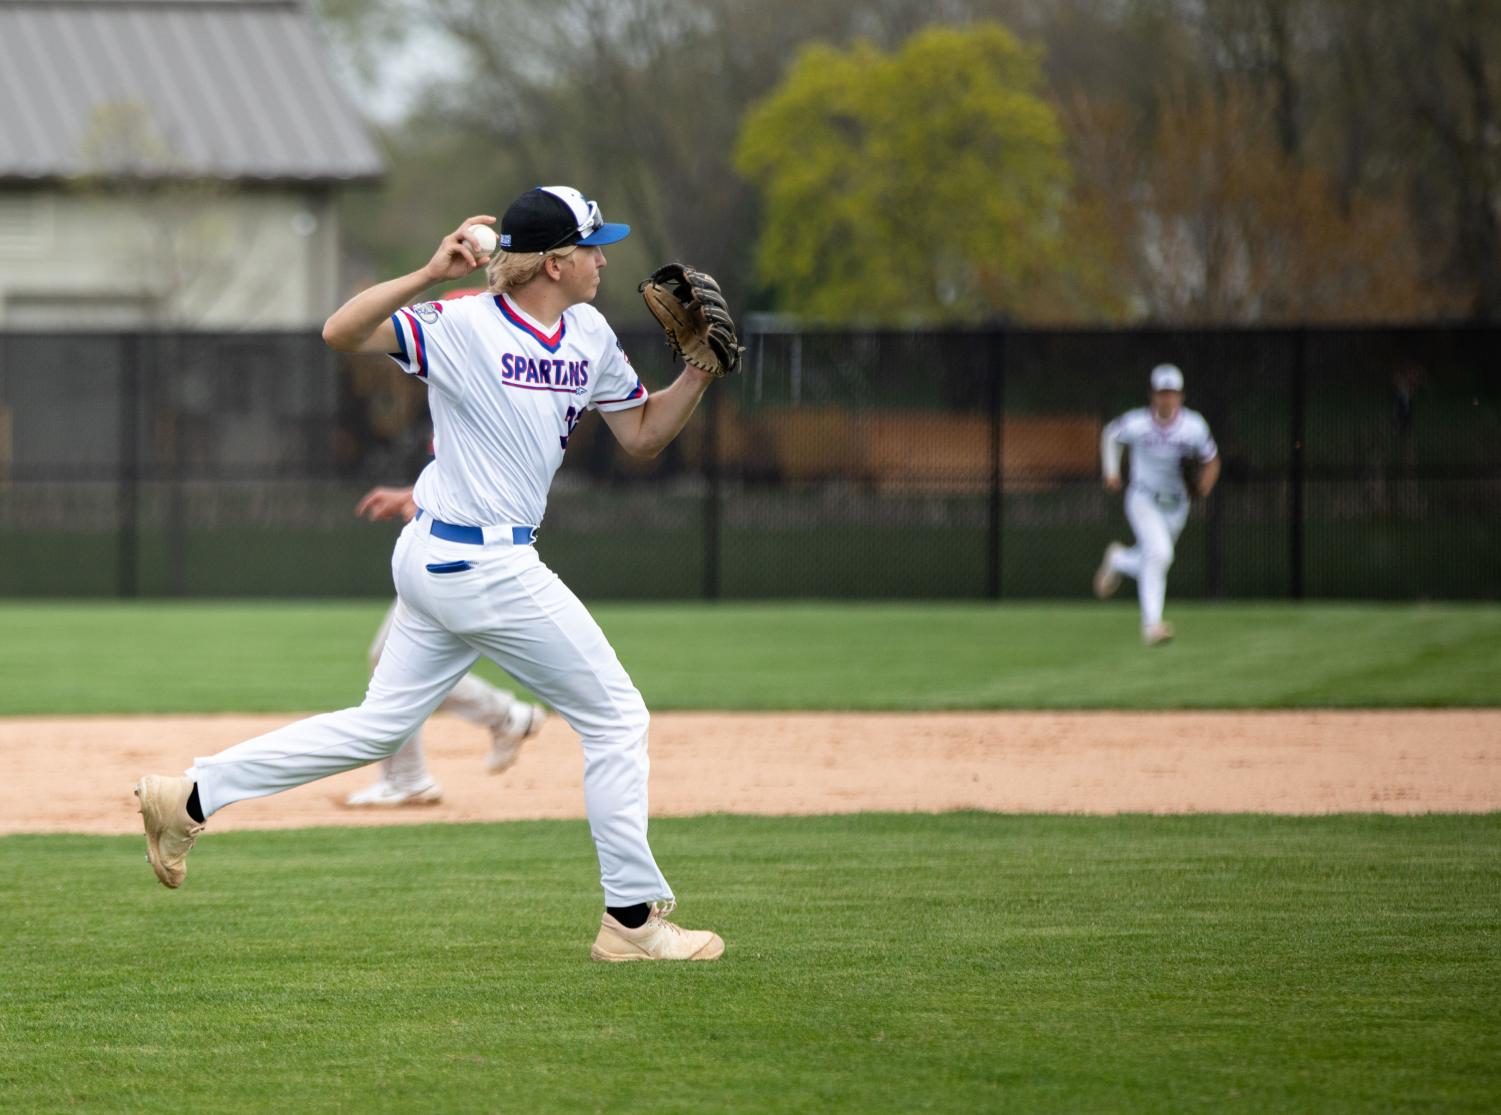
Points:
(235, 89)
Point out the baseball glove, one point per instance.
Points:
(693, 314)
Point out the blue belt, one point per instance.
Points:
(478, 536)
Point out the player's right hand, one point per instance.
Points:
(455, 257)
(1112, 483)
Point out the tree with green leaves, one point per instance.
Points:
(928, 184)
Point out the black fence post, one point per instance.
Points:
(1214, 520)
(713, 496)
(995, 350)
(1214, 545)
(128, 475)
(177, 500)
(1296, 466)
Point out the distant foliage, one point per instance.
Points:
(1217, 222)
(928, 184)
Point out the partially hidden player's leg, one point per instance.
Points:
(510, 722)
(550, 643)
(403, 777)
(1154, 556)
(420, 664)
(407, 777)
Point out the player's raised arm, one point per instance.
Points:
(363, 324)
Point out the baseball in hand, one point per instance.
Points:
(482, 237)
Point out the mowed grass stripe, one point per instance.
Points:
(265, 656)
(961, 962)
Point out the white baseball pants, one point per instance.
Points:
(456, 601)
(1157, 527)
(473, 698)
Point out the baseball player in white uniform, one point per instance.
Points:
(404, 777)
(509, 374)
(1161, 437)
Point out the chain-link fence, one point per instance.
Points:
(1357, 463)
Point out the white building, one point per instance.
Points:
(170, 163)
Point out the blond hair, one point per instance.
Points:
(510, 271)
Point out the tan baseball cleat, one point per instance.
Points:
(521, 722)
(658, 939)
(170, 832)
(1157, 634)
(1106, 579)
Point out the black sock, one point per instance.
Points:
(632, 917)
(193, 806)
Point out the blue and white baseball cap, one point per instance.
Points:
(551, 217)
(1167, 377)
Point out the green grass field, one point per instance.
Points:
(60, 658)
(952, 963)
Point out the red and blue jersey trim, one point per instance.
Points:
(550, 343)
(637, 392)
(416, 358)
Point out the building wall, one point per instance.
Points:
(195, 256)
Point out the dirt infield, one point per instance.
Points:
(75, 775)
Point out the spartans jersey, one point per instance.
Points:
(1158, 451)
(505, 393)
